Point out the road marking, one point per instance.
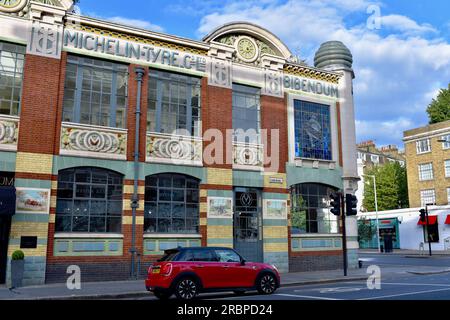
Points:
(405, 294)
(416, 284)
(307, 297)
(339, 290)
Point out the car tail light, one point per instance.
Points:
(166, 270)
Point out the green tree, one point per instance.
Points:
(366, 230)
(392, 188)
(439, 108)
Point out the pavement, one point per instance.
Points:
(404, 252)
(135, 289)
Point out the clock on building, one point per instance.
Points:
(12, 5)
(247, 49)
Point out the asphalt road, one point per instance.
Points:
(393, 287)
(402, 260)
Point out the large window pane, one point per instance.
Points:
(310, 209)
(171, 100)
(312, 130)
(89, 200)
(11, 77)
(96, 92)
(246, 109)
(171, 204)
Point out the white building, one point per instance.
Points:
(407, 229)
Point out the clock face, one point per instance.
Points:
(12, 5)
(247, 49)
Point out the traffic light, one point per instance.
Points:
(336, 204)
(351, 203)
(423, 215)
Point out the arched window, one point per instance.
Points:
(171, 204)
(89, 200)
(310, 209)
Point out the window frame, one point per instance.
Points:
(107, 200)
(426, 174)
(311, 224)
(419, 146)
(298, 104)
(19, 50)
(446, 145)
(447, 168)
(422, 197)
(169, 79)
(245, 93)
(114, 69)
(159, 200)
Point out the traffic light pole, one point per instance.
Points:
(428, 230)
(344, 235)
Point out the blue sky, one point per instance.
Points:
(401, 62)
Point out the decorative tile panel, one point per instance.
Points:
(90, 141)
(248, 155)
(9, 131)
(174, 149)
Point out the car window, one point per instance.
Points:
(169, 257)
(228, 256)
(204, 255)
(186, 255)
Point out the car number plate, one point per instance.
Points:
(156, 270)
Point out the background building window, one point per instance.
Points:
(375, 159)
(246, 114)
(12, 59)
(426, 172)
(448, 195)
(423, 146)
(447, 168)
(95, 92)
(311, 209)
(312, 130)
(446, 145)
(89, 200)
(171, 204)
(174, 103)
(427, 197)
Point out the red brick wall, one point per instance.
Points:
(217, 114)
(131, 114)
(41, 93)
(274, 116)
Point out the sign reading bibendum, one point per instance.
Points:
(80, 41)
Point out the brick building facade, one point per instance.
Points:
(70, 89)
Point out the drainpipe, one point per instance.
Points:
(135, 199)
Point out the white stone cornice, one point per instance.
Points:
(221, 51)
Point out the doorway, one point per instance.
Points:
(247, 224)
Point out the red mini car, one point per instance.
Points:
(186, 272)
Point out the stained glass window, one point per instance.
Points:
(312, 130)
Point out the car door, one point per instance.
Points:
(206, 266)
(234, 274)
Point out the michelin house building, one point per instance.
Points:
(117, 143)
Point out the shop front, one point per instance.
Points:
(7, 210)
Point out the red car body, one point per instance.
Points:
(209, 270)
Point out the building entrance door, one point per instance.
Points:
(248, 237)
(5, 225)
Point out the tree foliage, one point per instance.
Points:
(439, 108)
(366, 230)
(392, 188)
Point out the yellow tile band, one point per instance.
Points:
(34, 163)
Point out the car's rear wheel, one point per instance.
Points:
(186, 289)
(162, 295)
(267, 284)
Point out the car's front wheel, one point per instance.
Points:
(267, 284)
(186, 289)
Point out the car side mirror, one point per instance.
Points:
(243, 262)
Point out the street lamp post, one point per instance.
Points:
(376, 209)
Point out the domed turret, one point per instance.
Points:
(333, 55)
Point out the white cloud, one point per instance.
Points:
(396, 67)
(136, 23)
(405, 24)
